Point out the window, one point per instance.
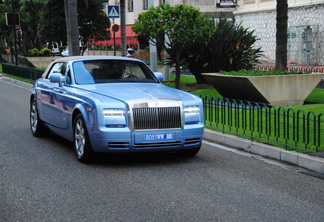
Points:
(164, 1)
(58, 68)
(248, 1)
(145, 4)
(130, 5)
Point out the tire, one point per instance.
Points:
(81, 141)
(36, 125)
(188, 153)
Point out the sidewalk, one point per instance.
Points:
(302, 160)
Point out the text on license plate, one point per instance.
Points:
(161, 136)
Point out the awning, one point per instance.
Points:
(131, 38)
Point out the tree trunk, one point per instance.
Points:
(123, 26)
(178, 75)
(72, 26)
(281, 36)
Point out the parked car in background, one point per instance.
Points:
(55, 48)
(65, 52)
(112, 104)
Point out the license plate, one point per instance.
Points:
(159, 136)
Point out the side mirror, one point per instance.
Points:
(159, 75)
(56, 78)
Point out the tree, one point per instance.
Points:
(93, 23)
(8, 33)
(52, 26)
(30, 13)
(229, 48)
(281, 36)
(183, 25)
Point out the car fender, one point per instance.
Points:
(85, 110)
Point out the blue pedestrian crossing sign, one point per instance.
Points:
(113, 11)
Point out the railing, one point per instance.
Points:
(314, 69)
(24, 72)
(283, 127)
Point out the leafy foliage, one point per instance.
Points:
(42, 52)
(179, 27)
(44, 21)
(46, 52)
(52, 27)
(244, 72)
(31, 12)
(93, 22)
(33, 52)
(229, 48)
(198, 42)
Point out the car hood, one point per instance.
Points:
(134, 91)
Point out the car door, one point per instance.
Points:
(50, 94)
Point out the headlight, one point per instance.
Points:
(113, 112)
(114, 117)
(191, 110)
(191, 114)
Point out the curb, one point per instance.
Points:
(299, 159)
(16, 82)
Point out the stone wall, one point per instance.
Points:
(264, 24)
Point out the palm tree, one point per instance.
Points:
(72, 26)
(281, 36)
(30, 14)
(123, 26)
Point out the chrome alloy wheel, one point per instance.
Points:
(79, 138)
(81, 141)
(33, 117)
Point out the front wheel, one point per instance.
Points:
(36, 125)
(81, 140)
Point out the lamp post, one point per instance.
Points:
(14, 31)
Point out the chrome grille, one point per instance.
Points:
(156, 118)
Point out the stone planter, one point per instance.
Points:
(276, 90)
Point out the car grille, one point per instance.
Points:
(156, 118)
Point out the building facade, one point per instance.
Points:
(305, 23)
(305, 28)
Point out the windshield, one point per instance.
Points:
(104, 71)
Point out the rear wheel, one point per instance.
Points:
(36, 124)
(81, 140)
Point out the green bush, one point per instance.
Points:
(244, 72)
(34, 52)
(46, 52)
(230, 48)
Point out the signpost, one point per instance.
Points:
(114, 29)
(113, 11)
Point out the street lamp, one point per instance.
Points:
(12, 21)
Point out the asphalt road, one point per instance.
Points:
(41, 180)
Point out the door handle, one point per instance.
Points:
(58, 90)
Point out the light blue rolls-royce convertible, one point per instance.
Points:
(114, 104)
